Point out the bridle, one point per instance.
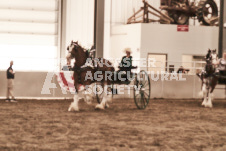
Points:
(75, 47)
(89, 53)
(210, 67)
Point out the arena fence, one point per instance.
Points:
(30, 85)
(192, 67)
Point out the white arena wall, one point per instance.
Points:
(30, 84)
(166, 39)
(162, 39)
(141, 38)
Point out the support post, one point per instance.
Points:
(221, 29)
(99, 27)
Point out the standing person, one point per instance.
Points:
(182, 70)
(125, 66)
(10, 83)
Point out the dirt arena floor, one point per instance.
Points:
(164, 125)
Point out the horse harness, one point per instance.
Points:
(90, 54)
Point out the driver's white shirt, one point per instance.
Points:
(222, 64)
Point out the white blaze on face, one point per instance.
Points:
(71, 48)
(214, 58)
(68, 57)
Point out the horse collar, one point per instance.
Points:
(76, 68)
(78, 71)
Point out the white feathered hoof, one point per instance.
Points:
(99, 107)
(89, 102)
(209, 105)
(73, 107)
(106, 105)
(204, 103)
(88, 99)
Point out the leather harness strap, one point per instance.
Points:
(78, 70)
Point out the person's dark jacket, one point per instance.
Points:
(126, 62)
(9, 74)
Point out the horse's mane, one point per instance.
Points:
(79, 45)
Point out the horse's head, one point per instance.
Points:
(208, 55)
(214, 56)
(211, 56)
(72, 49)
(75, 51)
(211, 59)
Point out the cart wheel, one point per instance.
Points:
(207, 10)
(142, 90)
(99, 92)
(180, 18)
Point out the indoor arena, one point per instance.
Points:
(112, 75)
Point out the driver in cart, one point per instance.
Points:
(221, 69)
(126, 62)
(126, 65)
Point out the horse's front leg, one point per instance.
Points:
(205, 94)
(210, 97)
(107, 97)
(209, 100)
(74, 105)
(212, 85)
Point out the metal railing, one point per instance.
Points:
(193, 67)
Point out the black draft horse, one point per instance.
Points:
(209, 78)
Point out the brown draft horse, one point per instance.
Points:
(103, 66)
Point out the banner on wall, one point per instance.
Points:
(66, 81)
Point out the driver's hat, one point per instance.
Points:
(128, 50)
